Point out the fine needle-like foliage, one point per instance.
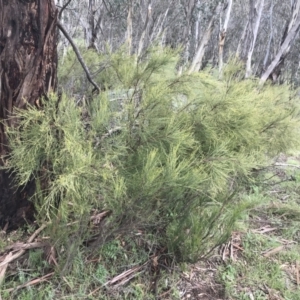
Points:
(165, 154)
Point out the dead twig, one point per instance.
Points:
(125, 275)
(30, 283)
(122, 278)
(264, 229)
(274, 251)
(79, 57)
(238, 247)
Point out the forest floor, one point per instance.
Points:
(260, 261)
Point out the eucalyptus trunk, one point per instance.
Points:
(28, 71)
(274, 69)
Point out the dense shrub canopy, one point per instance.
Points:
(166, 154)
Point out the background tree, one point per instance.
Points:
(255, 31)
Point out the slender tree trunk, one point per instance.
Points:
(197, 60)
(274, 69)
(159, 27)
(241, 44)
(143, 38)
(94, 25)
(270, 37)
(254, 21)
(189, 7)
(129, 31)
(91, 36)
(28, 68)
(222, 34)
(197, 26)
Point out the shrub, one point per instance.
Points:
(166, 154)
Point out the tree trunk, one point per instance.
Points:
(222, 35)
(129, 31)
(143, 37)
(28, 68)
(197, 60)
(94, 25)
(291, 31)
(268, 51)
(254, 21)
(189, 7)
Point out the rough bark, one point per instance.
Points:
(28, 68)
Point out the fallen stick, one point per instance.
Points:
(3, 270)
(273, 251)
(9, 258)
(29, 283)
(286, 165)
(121, 279)
(26, 246)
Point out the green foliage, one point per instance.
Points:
(166, 154)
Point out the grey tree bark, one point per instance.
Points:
(222, 34)
(254, 22)
(197, 60)
(274, 68)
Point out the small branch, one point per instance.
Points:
(62, 9)
(79, 57)
(108, 134)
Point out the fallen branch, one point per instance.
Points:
(274, 251)
(9, 258)
(79, 57)
(286, 165)
(122, 278)
(30, 283)
(26, 246)
(125, 275)
(3, 270)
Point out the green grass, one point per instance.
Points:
(268, 266)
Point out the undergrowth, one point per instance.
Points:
(150, 171)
